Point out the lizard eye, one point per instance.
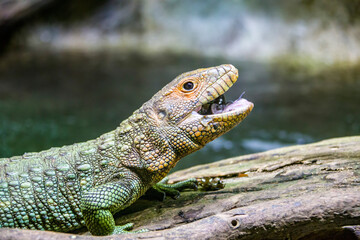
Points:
(188, 86)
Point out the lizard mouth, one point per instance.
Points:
(212, 101)
(219, 106)
(212, 107)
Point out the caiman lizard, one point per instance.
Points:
(84, 184)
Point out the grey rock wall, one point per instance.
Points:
(326, 31)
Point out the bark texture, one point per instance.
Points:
(301, 192)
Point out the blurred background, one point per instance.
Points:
(73, 70)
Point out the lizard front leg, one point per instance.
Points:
(100, 203)
(173, 190)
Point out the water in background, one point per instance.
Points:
(49, 100)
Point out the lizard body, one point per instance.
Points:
(65, 188)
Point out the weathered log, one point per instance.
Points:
(301, 192)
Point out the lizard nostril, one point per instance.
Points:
(162, 114)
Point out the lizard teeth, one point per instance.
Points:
(198, 108)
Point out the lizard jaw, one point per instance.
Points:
(205, 128)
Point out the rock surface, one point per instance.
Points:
(239, 30)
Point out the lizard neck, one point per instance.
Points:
(147, 146)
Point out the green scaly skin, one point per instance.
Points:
(62, 189)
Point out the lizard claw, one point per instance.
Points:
(126, 229)
(211, 184)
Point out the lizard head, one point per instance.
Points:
(194, 103)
